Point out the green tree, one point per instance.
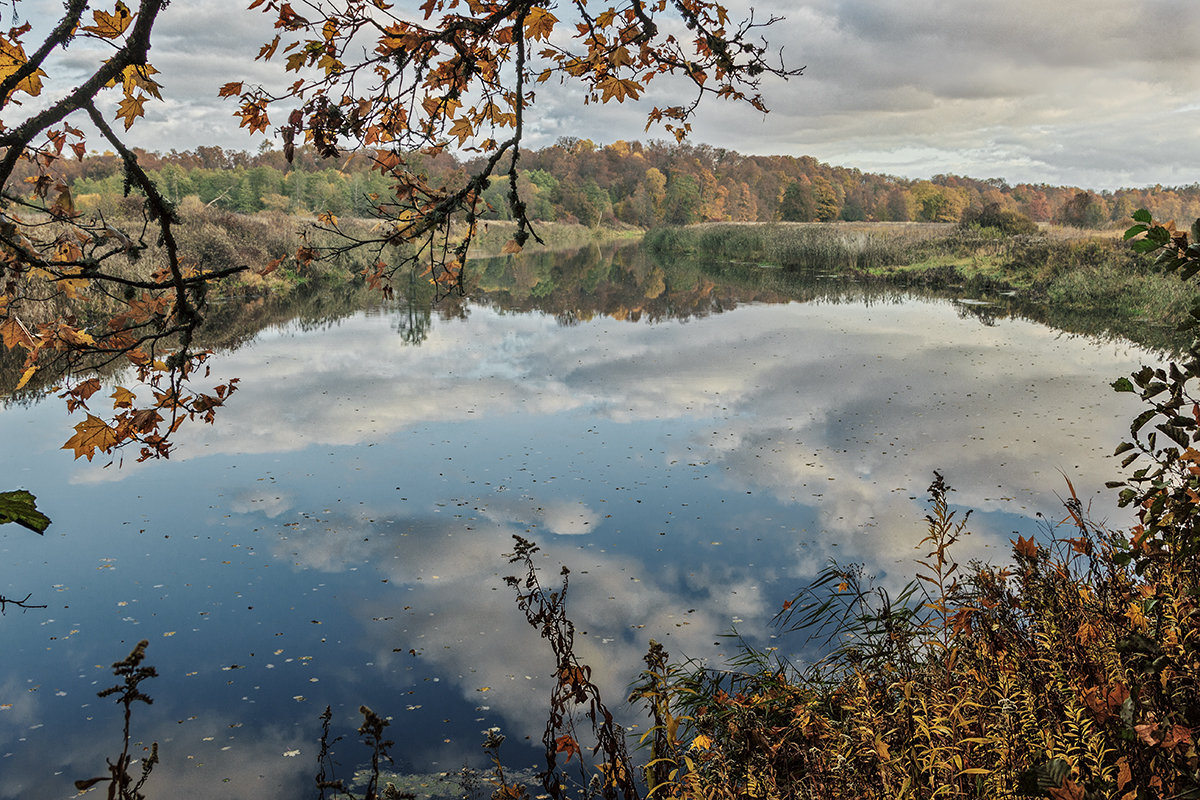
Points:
(681, 204)
(798, 204)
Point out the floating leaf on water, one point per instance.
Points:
(20, 507)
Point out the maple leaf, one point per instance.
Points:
(1025, 547)
(131, 108)
(86, 389)
(565, 744)
(91, 435)
(74, 336)
(462, 129)
(146, 420)
(539, 23)
(137, 76)
(14, 334)
(110, 26)
(266, 51)
(122, 398)
(619, 88)
(12, 58)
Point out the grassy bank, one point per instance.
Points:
(1072, 271)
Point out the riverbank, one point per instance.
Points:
(1072, 271)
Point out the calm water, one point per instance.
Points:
(338, 537)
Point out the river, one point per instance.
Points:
(692, 452)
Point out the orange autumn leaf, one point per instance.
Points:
(539, 23)
(91, 435)
(565, 744)
(1025, 547)
(130, 108)
(122, 398)
(110, 26)
(14, 334)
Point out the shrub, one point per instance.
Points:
(992, 216)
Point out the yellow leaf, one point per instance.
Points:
(91, 435)
(511, 248)
(12, 58)
(71, 287)
(701, 742)
(74, 336)
(14, 334)
(137, 76)
(26, 375)
(131, 108)
(110, 26)
(539, 23)
(462, 129)
(122, 398)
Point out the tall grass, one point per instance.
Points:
(1071, 673)
(810, 246)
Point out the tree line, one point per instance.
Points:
(624, 183)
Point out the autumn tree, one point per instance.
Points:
(462, 74)
(81, 291)
(60, 268)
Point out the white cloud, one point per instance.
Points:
(1098, 94)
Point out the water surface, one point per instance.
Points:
(338, 537)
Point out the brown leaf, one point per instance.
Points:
(91, 435)
(131, 108)
(122, 398)
(1025, 547)
(110, 26)
(14, 334)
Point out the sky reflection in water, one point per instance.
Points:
(338, 536)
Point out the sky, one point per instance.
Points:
(1101, 94)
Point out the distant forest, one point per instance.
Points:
(625, 183)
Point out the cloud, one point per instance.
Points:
(462, 620)
(1085, 93)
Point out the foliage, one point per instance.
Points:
(1004, 220)
(455, 77)
(121, 784)
(1064, 675)
(1073, 673)
(573, 689)
(463, 77)
(54, 257)
(21, 507)
(1165, 485)
(629, 180)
